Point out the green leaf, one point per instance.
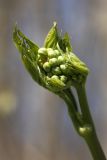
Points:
(52, 37)
(66, 40)
(64, 43)
(28, 51)
(32, 68)
(24, 45)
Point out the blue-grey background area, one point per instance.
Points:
(36, 125)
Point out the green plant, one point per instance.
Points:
(58, 69)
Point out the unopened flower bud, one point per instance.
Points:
(51, 53)
(55, 77)
(53, 61)
(63, 68)
(57, 53)
(63, 78)
(60, 59)
(46, 66)
(56, 70)
(42, 51)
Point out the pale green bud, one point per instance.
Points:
(63, 68)
(63, 78)
(46, 66)
(60, 59)
(57, 53)
(55, 77)
(42, 51)
(51, 53)
(56, 71)
(53, 61)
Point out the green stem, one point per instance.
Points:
(72, 108)
(72, 98)
(84, 104)
(95, 147)
(90, 134)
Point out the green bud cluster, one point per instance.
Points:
(64, 68)
(49, 60)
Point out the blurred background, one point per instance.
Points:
(34, 123)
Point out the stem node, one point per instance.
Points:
(85, 130)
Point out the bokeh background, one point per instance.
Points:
(34, 123)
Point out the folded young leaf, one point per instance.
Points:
(52, 37)
(24, 45)
(28, 51)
